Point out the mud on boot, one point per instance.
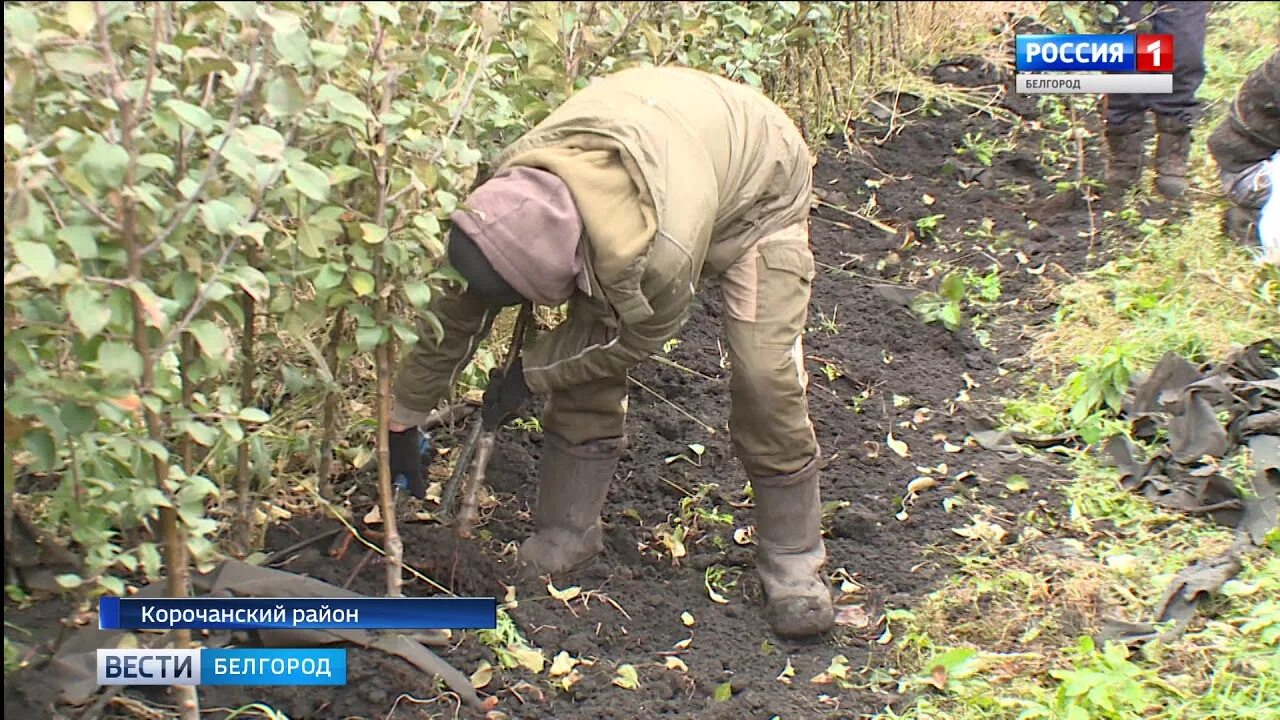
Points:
(791, 553)
(1124, 152)
(572, 486)
(1173, 146)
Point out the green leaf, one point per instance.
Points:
(213, 342)
(284, 97)
(148, 498)
(343, 102)
(81, 17)
(149, 554)
(417, 293)
(328, 55)
(69, 581)
(344, 173)
(111, 583)
(202, 434)
(723, 692)
(253, 282)
(120, 361)
(193, 115)
(368, 338)
(88, 312)
(373, 234)
(104, 164)
(310, 239)
(263, 141)
(293, 48)
(77, 418)
(953, 287)
(15, 137)
(80, 239)
(219, 217)
(21, 25)
(363, 283)
(37, 257)
(308, 180)
(330, 276)
(1017, 483)
(253, 415)
(157, 161)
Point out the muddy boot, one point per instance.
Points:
(1173, 145)
(573, 483)
(791, 553)
(1124, 152)
(1241, 225)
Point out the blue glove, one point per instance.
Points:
(408, 448)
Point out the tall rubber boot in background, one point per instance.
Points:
(790, 553)
(1173, 147)
(1124, 152)
(573, 483)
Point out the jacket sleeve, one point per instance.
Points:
(582, 349)
(1251, 131)
(429, 372)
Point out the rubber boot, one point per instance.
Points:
(791, 553)
(574, 481)
(1124, 152)
(1173, 146)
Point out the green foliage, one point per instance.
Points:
(1106, 686)
(217, 218)
(946, 306)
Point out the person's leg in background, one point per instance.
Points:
(583, 438)
(1125, 114)
(767, 302)
(1177, 111)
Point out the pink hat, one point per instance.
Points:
(525, 223)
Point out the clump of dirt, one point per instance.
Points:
(876, 369)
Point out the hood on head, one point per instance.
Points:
(526, 225)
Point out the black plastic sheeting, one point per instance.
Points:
(1195, 420)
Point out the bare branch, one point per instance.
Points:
(152, 56)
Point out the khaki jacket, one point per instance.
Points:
(677, 173)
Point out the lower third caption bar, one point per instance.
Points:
(221, 666)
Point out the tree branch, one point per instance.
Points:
(216, 158)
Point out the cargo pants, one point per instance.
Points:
(766, 298)
(1185, 21)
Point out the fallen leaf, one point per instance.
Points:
(509, 597)
(569, 680)
(902, 516)
(900, 400)
(1017, 483)
(627, 677)
(374, 516)
(743, 535)
(787, 673)
(938, 678)
(821, 679)
(852, 616)
(897, 446)
(872, 449)
(724, 691)
(948, 447)
(922, 416)
(564, 595)
(920, 484)
(562, 664)
(982, 530)
(530, 659)
(675, 663)
(683, 644)
(715, 596)
(482, 676)
(687, 619)
(927, 199)
(969, 381)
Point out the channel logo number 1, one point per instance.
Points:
(1155, 53)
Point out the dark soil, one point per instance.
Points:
(889, 365)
